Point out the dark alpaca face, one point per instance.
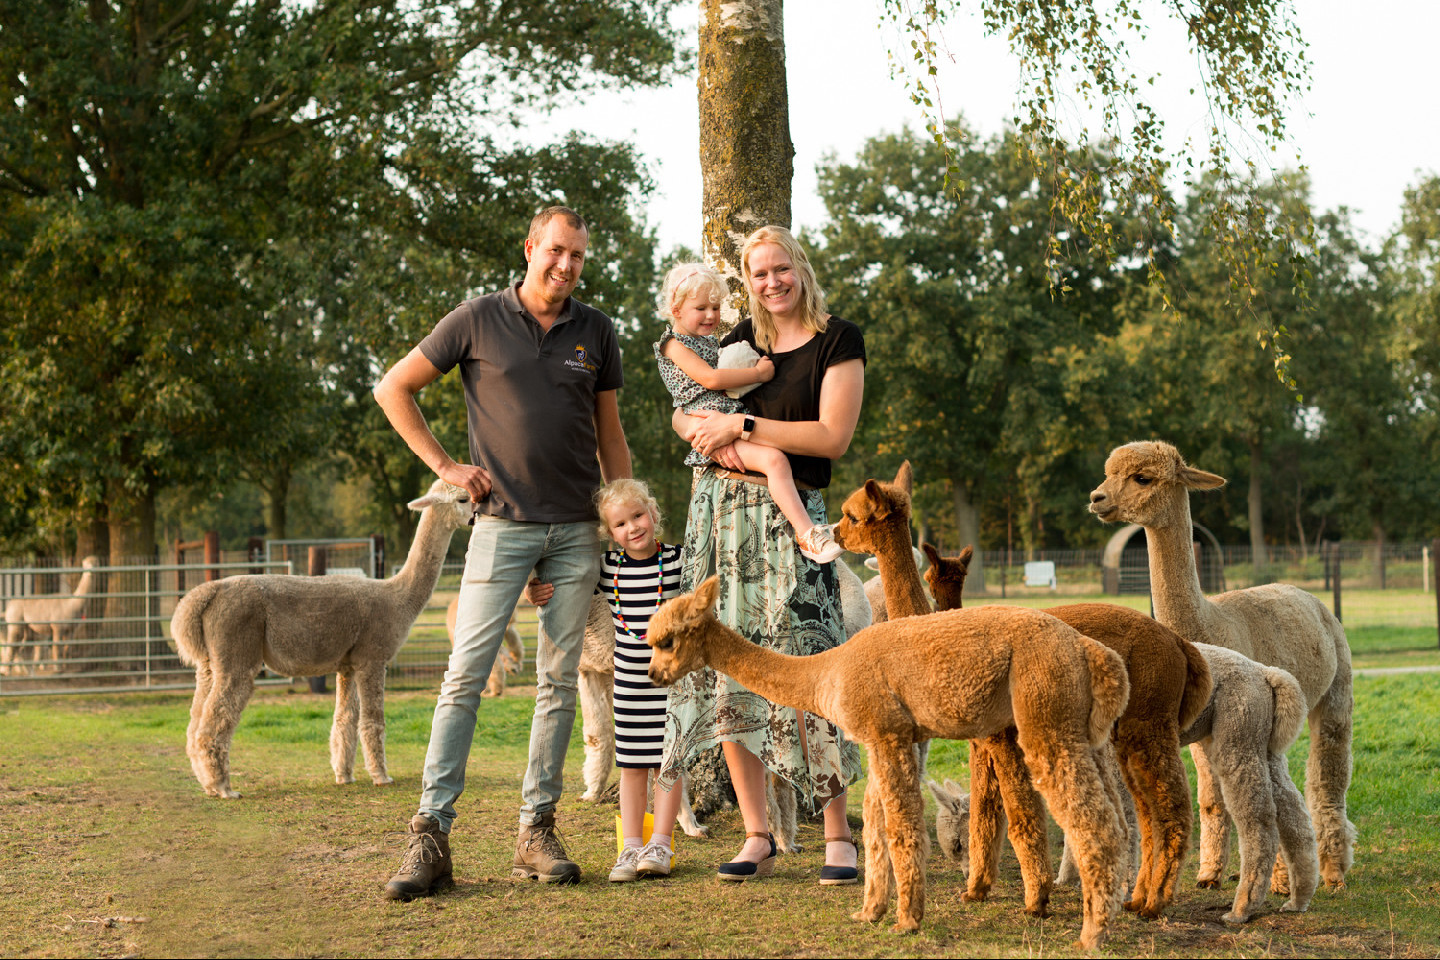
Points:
(871, 508)
(946, 576)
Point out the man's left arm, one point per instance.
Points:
(611, 448)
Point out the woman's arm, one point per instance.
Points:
(841, 393)
(714, 378)
(684, 424)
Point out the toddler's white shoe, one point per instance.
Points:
(624, 869)
(654, 860)
(818, 544)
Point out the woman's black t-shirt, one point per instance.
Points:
(794, 393)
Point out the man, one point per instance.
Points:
(540, 372)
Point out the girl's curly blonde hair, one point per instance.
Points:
(685, 280)
(625, 491)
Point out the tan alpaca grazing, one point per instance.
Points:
(1277, 625)
(304, 627)
(957, 675)
(876, 519)
(36, 616)
(1170, 685)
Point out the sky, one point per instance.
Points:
(1367, 129)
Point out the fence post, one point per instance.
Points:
(1435, 552)
(254, 552)
(212, 554)
(377, 552)
(1335, 576)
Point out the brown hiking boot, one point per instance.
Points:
(539, 855)
(426, 868)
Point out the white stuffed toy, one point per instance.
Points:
(737, 356)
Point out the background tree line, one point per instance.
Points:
(220, 221)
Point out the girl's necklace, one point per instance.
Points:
(659, 587)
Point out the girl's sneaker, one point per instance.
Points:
(817, 543)
(624, 869)
(654, 860)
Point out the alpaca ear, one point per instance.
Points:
(932, 554)
(905, 477)
(1193, 479)
(705, 593)
(965, 555)
(421, 503)
(879, 503)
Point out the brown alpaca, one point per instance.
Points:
(957, 675)
(1170, 686)
(876, 519)
(1278, 625)
(304, 627)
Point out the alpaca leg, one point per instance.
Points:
(894, 766)
(878, 872)
(780, 812)
(203, 681)
(686, 817)
(987, 823)
(1073, 788)
(370, 682)
(1297, 838)
(1160, 778)
(1119, 796)
(597, 694)
(1246, 785)
(14, 633)
(1327, 778)
(345, 725)
(1142, 803)
(221, 714)
(1214, 821)
(1025, 811)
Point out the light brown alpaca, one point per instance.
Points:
(510, 658)
(37, 615)
(1170, 686)
(304, 627)
(1278, 625)
(876, 519)
(957, 675)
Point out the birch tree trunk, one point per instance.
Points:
(747, 159)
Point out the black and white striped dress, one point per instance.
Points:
(639, 704)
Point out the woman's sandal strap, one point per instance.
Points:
(766, 835)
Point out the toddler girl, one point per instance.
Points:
(634, 578)
(688, 353)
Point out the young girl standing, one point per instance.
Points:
(634, 578)
(688, 353)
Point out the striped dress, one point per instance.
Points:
(639, 704)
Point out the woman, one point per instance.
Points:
(769, 593)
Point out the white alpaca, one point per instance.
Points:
(304, 627)
(1277, 624)
(510, 659)
(57, 615)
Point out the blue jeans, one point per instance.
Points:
(502, 553)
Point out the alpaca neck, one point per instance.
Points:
(788, 681)
(1174, 581)
(82, 588)
(416, 580)
(904, 591)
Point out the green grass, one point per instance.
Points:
(100, 819)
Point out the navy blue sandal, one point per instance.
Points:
(839, 876)
(744, 869)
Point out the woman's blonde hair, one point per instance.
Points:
(685, 280)
(623, 491)
(813, 314)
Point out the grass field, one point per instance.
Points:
(112, 850)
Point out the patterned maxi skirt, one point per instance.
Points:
(774, 597)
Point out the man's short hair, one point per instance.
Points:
(537, 225)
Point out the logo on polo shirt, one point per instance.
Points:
(581, 360)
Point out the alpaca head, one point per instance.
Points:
(1148, 483)
(89, 562)
(678, 631)
(451, 503)
(874, 508)
(946, 576)
(952, 820)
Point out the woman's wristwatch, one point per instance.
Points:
(747, 427)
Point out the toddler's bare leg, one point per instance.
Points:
(773, 463)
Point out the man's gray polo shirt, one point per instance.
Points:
(530, 400)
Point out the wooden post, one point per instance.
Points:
(255, 550)
(1335, 576)
(377, 541)
(212, 554)
(1435, 554)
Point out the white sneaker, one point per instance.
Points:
(654, 860)
(817, 544)
(624, 869)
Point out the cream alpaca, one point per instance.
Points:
(1169, 686)
(957, 675)
(1278, 625)
(306, 626)
(36, 615)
